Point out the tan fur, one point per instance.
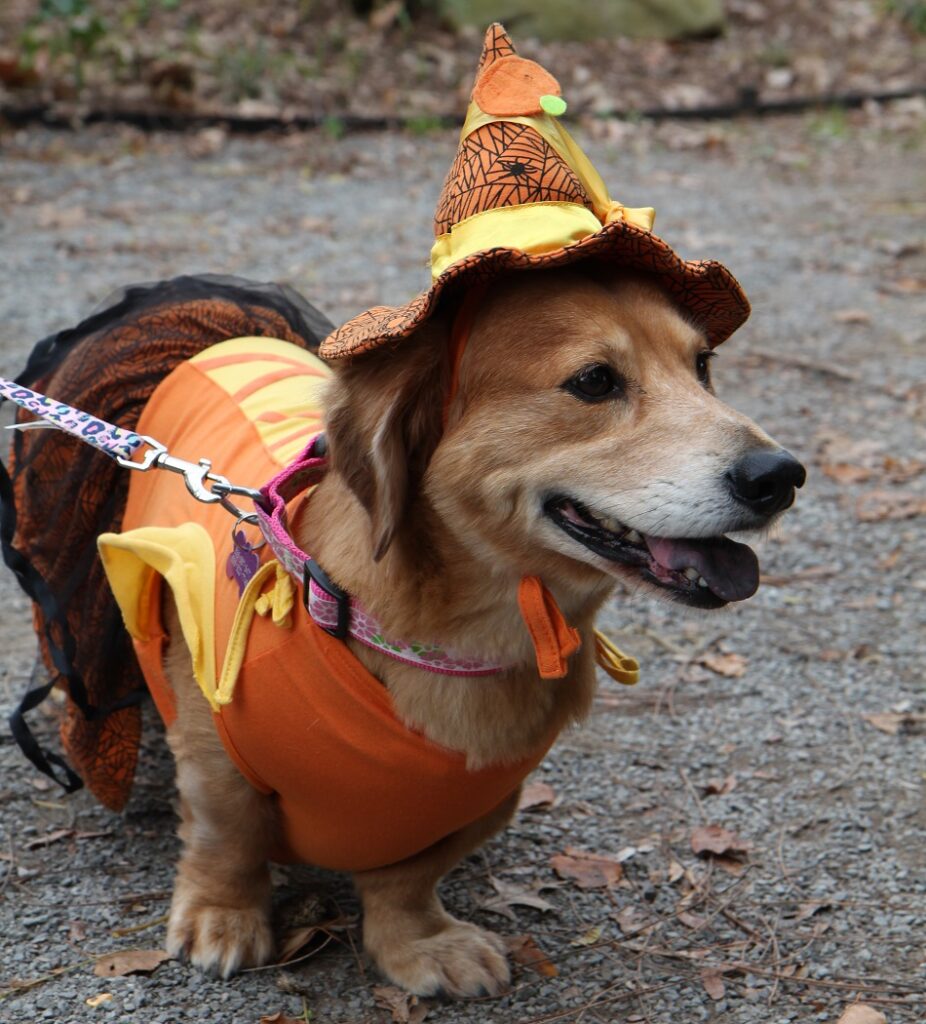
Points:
(432, 530)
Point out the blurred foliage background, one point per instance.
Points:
(415, 59)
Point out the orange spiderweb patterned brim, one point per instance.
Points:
(705, 289)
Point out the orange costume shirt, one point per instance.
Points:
(305, 721)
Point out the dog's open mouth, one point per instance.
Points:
(705, 572)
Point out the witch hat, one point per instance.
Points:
(521, 195)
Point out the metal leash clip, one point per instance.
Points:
(205, 486)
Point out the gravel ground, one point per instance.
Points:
(822, 219)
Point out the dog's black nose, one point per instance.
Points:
(764, 481)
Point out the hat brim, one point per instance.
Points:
(704, 289)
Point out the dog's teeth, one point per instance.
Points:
(634, 537)
(692, 573)
(702, 582)
(612, 525)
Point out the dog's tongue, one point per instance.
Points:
(731, 569)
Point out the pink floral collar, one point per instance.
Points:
(329, 606)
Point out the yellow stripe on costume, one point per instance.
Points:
(277, 385)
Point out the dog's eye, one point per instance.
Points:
(595, 383)
(703, 367)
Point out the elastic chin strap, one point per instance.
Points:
(555, 641)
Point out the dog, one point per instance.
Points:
(497, 455)
(584, 435)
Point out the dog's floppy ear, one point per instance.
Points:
(384, 422)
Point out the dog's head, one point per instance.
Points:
(583, 441)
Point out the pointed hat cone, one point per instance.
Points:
(522, 195)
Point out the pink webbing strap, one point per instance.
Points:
(329, 606)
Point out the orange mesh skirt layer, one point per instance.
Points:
(60, 494)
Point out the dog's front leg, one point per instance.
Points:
(220, 911)
(410, 936)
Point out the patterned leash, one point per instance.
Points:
(330, 607)
(122, 445)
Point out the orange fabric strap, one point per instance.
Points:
(459, 336)
(554, 639)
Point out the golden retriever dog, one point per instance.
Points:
(583, 444)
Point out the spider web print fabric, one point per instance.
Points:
(497, 44)
(65, 493)
(504, 164)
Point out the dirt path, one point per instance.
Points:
(822, 220)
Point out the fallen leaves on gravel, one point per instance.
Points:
(588, 870)
(404, 1007)
(730, 665)
(633, 921)
(877, 506)
(132, 961)
(720, 787)
(524, 950)
(511, 894)
(893, 722)
(712, 980)
(99, 999)
(712, 839)
(860, 1013)
(536, 796)
(281, 1018)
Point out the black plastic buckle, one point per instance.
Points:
(316, 572)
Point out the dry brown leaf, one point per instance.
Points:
(893, 722)
(707, 839)
(295, 941)
(676, 871)
(877, 506)
(587, 870)
(730, 865)
(281, 1018)
(404, 1007)
(808, 909)
(693, 921)
(904, 286)
(524, 950)
(859, 1013)
(633, 921)
(730, 665)
(852, 316)
(132, 961)
(899, 471)
(510, 894)
(15, 73)
(712, 980)
(720, 787)
(845, 473)
(536, 795)
(99, 999)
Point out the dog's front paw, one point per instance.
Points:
(219, 940)
(458, 960)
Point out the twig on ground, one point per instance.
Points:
(694, 795)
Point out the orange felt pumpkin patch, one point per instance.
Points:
(512, 86)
